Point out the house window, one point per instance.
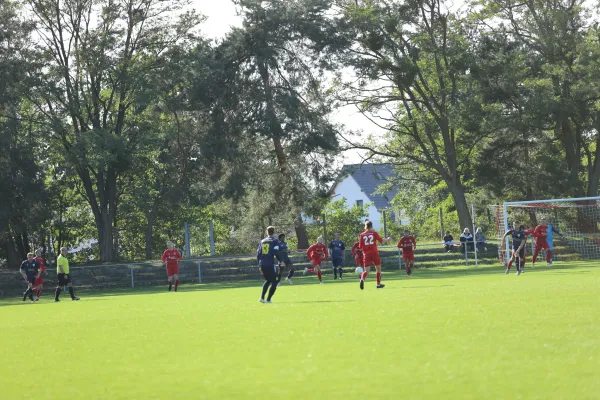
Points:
(359, 203)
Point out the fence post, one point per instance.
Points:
(399, 259)
(199, 273)
(474, 236)
(131, 270)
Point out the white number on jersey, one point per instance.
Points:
(368, 239)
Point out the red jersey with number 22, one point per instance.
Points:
(368, 242)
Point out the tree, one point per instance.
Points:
(411, 62)
(93, 60)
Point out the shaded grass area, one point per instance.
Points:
(451, 333)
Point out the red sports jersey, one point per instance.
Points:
(171, 257)
(355, 250)
(40, 260)
(407, 243)
(540, 233)
(317, 251)
(368, 241)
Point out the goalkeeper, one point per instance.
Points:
(542, 234)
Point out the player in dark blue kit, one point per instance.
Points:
(284, 257)
(268, 249)
(30, 269)
(519, 238)
(336, 252)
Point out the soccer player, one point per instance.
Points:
(519, 238)
(540, 234)
(39, 281)
(268, 249)
(336, 253)
(317, 254)
(30, 270)
(284, 256)
(408, 244)
(368, 245)
(358, 254)
(62, 269)
(170, 259)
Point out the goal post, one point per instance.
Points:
(577, 221)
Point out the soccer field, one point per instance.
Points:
(452, 333)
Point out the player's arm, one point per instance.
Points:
(23, 274)
(164, 257)
(503, 241)
(310, 250)
(521, 245)
(259, 254)
(557, 232)
(275, 249)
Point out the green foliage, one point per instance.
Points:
(339, 219)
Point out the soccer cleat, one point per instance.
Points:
(268, 302)
(289, 281)
(75, 298)
(32, 301)
(518, 272)
(37, 298)
(261, 300)
(24, 296)
(380, 286)
(362, 284)
(549, 263)
(305, 270)
(321, 282)
(507, 271)
(56, 301)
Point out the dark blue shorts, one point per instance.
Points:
(337, 262)
(31, 279)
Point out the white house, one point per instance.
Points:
(358, 184)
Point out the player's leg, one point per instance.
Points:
(546, 247)
(266, 285)
(274, 285)
(70, 287)
(318, 270)
(176, 279)
(340, 267)
(536, 252)
(522, 259)
(170, 280)
(29, 290)
(291, 273)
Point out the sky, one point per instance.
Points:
(222, 16)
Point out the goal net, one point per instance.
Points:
(573, 226)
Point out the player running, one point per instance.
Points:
(541, 236)
(170, 259)
(284, 257)
(519, 238)
(317, 254)
(268, 249)
(30, 270)
(408, 244)
(368, 245)
(358, 254)
(39, 281)
(336, 252)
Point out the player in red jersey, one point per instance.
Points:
(171, 259)
(540, 234)
(317, 254)
(357, 254)
(408, 244)
(39, 281)
(368, 245)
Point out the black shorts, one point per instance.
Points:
(521, 253)
(31, 279)
(63, 279)
(270, 273)
(337, 262)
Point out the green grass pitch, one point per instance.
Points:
(452, 333)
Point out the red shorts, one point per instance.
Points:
(316, 262)
(359, 261)
(371, 258)
(541, 245)
(408, 256)
(172, 269)
(38, 281)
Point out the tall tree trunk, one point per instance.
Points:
(462, 208)
(149, 231)
(301, 232)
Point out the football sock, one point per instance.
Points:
(57, 293)
(378, 278)
(265, 288)
(548, 256)
(31, 294)
(272, 291)
(340, 271)
(535, 255)
(523, 264)
(170, 284)
(518, 263)
(319, 275)
(509, 263)
(334, 273)
(311, 270)
(363, 277)
(291, 273)
(38, 293)
(71, 292)
(176, 284)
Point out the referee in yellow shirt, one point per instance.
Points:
(62, 269)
